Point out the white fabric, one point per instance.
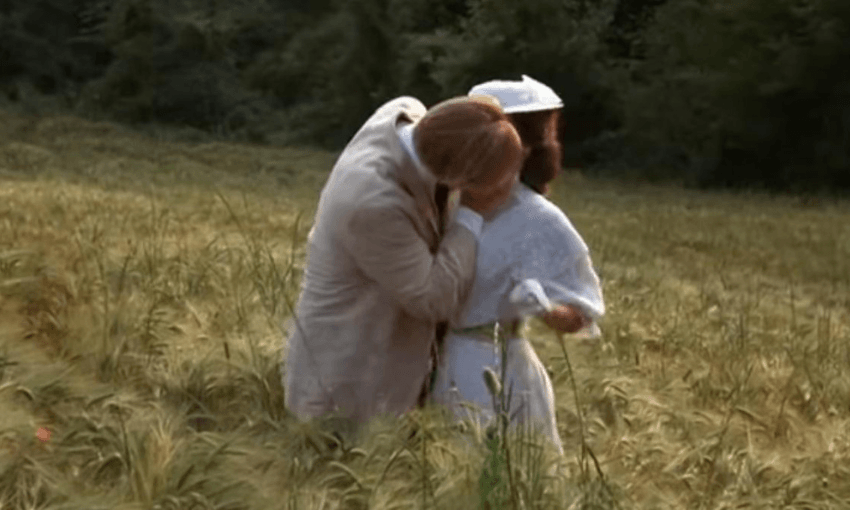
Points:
(460, 385)
(528, 95)
(405, 134)
(469, 219)
(529, 298)
(530, 238)
(529, 249)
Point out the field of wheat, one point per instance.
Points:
(143, 284)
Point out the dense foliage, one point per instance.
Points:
(709, 92)
(758, 91)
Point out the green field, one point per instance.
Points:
(143, 283)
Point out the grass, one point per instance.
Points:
(143, 283)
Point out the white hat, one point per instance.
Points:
(528, 95)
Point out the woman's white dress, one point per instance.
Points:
(529, 245)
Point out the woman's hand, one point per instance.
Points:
(566, 319)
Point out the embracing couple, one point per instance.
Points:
(432, 227)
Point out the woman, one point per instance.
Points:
(530, 261)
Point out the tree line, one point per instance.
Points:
(705, 92)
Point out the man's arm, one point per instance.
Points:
(387, 248)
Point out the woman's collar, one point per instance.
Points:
(523, 188)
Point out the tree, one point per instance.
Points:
(44, 49)
(754, 91)
(557, 42)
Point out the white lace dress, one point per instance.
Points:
(529, 257)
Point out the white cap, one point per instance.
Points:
(528, 95)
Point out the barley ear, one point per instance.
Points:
(492, 382)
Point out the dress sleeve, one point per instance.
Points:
(576, 283)
(554, 267)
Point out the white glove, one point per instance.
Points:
(527, 298)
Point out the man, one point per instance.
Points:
(379, 274)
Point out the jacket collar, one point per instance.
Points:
(405, 134)
(412, 174)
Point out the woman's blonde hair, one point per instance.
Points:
(466, 140)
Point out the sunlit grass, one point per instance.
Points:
(143, 285)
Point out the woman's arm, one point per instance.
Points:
(529, 298)
(577, 282)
